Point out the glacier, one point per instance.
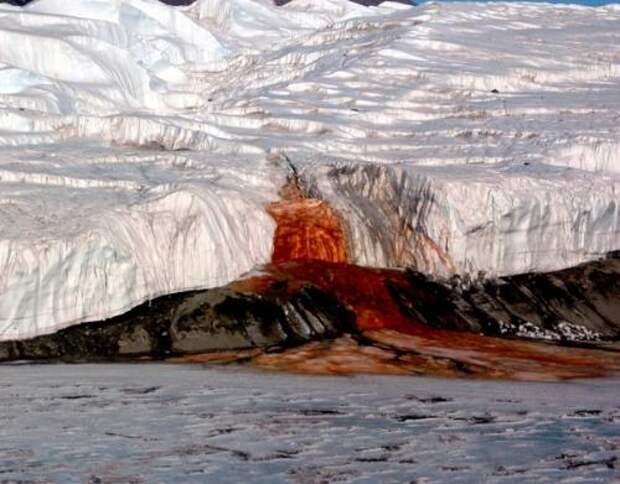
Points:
(140, 144)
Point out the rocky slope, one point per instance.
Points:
(367, 320)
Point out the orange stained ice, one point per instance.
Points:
(307, 229)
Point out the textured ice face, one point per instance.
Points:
(502, 219)
(468, 138)
(91, 234)
(139, 143)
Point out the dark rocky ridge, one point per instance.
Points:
(285, 309)
(196, 322)
(576, 304)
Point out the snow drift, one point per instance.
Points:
(140, 144)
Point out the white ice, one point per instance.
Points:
(139, 143)
(165, 423)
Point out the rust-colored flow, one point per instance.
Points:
(388, 352)
(307, 229)
(310, 248)
(398, 344)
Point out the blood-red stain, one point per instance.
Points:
(307, 229)
(310, 248)
(405, 345)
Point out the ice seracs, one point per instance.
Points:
(140, 145)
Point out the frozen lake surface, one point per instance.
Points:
(167, 423)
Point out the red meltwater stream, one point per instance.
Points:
(310, 247)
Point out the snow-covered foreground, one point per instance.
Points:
(165, 423)
(140, 144)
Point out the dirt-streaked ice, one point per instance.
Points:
(139, 144)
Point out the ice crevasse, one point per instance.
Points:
(140, 144)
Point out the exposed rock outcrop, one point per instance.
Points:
(427, 326)
(198, 322)
(577, 304)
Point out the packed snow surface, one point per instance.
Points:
(140, 143)
(164, 423)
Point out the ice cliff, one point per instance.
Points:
(141, 144)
